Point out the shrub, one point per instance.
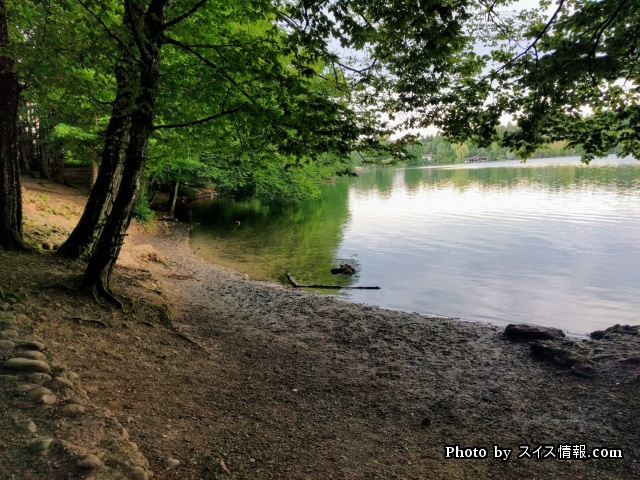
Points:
(142, 211)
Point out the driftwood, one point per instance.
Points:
(330, 287)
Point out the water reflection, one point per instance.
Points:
(552, 242)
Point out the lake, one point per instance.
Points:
(550, 242)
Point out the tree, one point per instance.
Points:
(461, 150)
(10, 194)
(568, 73)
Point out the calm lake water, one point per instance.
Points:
(550, 242)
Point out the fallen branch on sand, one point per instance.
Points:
(330, 287)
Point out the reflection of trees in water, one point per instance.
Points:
(301, 237)
(552, 177)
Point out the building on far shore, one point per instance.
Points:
(427, 157)
(475, 159)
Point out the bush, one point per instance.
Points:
(142, 211)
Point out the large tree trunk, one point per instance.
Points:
(108, 179)
(108, 245)
(10, 194)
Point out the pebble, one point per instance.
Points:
(48, 399)
(32, 354)
(172, 462)
(138, 473)
(38, 392)
(71, 375)
(60, 383)
(32, 345)
(22, 318)
(9, 333)
(6, 379)
(26, 365)
(6, 345)
(7, 323)
(47, 246)
(72, 410)
(90, 462)
(38, 377)
(27, 426)
(40, 445)
(25, 387)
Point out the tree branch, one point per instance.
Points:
(200, 121)
(124, 47)
(180, 18)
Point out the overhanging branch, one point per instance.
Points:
(200, 121)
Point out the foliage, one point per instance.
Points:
(142, 211)
(570, 75)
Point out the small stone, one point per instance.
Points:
(47, 246)
(583, 370)
(22, 318)
(27, 426)
(18, 307)
(7, 345)
(172, 462)
(630, 360)
(26, 365)
(38, 392)
(25, 387)
(73, 398)
(38, 377)
(72, 410)
(125, 433)
(32, 345)
(7, 323)
(60, 383)
(71, 375)
(7, 379)
(9, 333)
(32, 354)
(138, 473)
(40, 445)
(90, 462)
(525, 333)
(48, 399)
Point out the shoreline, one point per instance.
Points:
(468, 366)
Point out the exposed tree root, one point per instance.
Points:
(177, 333)
(90, 320)
(99, 290)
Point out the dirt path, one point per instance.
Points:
(254, 380)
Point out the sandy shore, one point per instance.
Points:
(249, 379)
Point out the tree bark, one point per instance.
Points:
(171, 211)
(10, 194)
(108, 245)
(107, 181)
